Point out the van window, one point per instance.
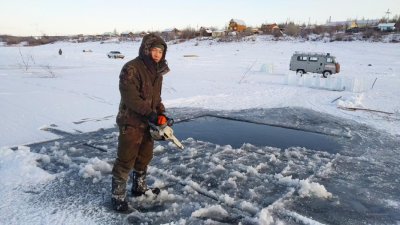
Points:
(313, 59)
(302, 58)
(329, 60)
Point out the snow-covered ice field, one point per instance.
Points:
(67, 181)
(84, 95)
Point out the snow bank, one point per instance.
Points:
(249, 207)
(332, 83)
(266, 217)
(19, 177)
(306, 188)
(149, 199)
(215, 211)
(351, 101)
(20, 168)
(94, 169)
(227, 199)
(159, 149)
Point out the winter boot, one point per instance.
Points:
(139, 186)
(118, 195)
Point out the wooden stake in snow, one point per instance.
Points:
(374, 83)
(248, 69)
(369, 110)
(336, 99)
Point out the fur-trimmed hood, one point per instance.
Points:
(144, 53)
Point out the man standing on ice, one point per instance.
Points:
(140, 83)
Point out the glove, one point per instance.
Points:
(163, 119)
(152, 117)
(170, 122)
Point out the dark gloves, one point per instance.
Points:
(152, 117)
(170, 122)
(160, 119)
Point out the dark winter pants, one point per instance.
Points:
(135, 151)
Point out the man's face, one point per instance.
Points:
(156, 54)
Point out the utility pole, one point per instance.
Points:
(388, 15)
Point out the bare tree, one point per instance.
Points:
(188, 33)
(292, 29)
(49, 70)
(25, 60)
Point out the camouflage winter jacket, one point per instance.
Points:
(140, 83)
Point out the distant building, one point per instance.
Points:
(218, 33)
(108, 35)
(237, 25)
(205, 32)
(397, 25)
(387, 26)
(256, 30)
(171, 34)
(338, 24)
(98, 37)
(127, 34)
(269, 28)
(90, 38)
(171, 31)
(351, 24)
(366, 23)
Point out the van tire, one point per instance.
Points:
(300, 72)
(326, 73)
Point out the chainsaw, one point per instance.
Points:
(164, 132)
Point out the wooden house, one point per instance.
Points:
(127, 34)
(171, 34)
(205, 32)
(269, 28)
(237, 25)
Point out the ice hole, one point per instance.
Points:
(235, 133)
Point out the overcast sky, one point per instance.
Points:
(63, 17)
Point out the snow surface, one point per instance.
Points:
(44, 96)
(78, 91)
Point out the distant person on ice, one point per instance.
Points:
(140, 83)
(60, 51)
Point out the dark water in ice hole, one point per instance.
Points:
(232, 132)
